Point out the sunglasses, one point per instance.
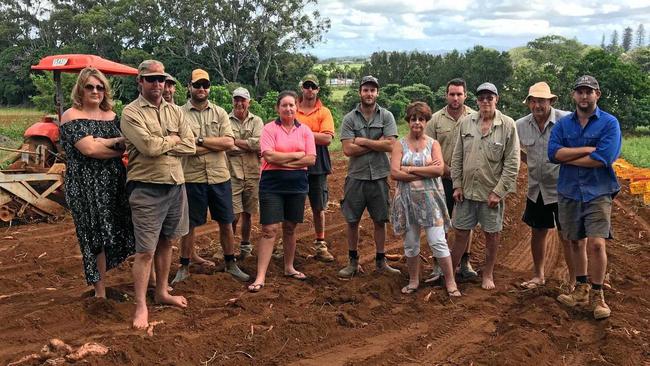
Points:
(311, 86)
(201, 84)
(485, 98)
(155, 78)
(90, 88)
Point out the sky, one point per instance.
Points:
(361, 27)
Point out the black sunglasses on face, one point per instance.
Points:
(90, 88)
(155, 78)
(201, 84)
(311, 86)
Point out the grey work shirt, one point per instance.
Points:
(542, 174)
(374, 164)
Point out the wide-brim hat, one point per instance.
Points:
(540, 90)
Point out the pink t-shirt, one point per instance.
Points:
(276, 138)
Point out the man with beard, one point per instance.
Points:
(207, 176)
(367, 134)
(541, 213)
(585, 144)
(170, 89)
(244, 164)
(443, 126)
(313, 113)
(156, 135)
(484, 168)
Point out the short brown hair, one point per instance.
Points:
(286, 93)
(78, 89)
(418, 109)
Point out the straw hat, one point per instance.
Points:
(540, 90)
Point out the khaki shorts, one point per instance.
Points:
(245, 195)
(469, 213)
(158, 211)
(581, 220)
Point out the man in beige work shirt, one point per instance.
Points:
(156, 138)
(484, 168)
(443, 127)
(207, 176)
(244, 164)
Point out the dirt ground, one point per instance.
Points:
(325, 320)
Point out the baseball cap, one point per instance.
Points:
(369, 79)
(540, 90)
(241, 92)
(588, 81)
(170, 78)
(487, 87)
(198, 74)
(151, 68)
(309, 77)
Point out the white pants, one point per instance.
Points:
(435, 237)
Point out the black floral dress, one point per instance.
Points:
(96, 194)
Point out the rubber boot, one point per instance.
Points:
(466, 270)
(601, 310)
(245, 250)
(322, 254)
(351, 269)
(383, 267)
(231, 267)
(579, 296)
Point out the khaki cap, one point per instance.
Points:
(309, 77)
(199, 74)
(242, 93)
(540, 90)
(151, 68)
(170, 78)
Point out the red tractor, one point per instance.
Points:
(29, 187)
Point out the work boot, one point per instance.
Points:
(601, 310)
(322, 254)
(245, 250)
(466, 270)
(578, 297)
(231, 267)
(383, 267)
(278, 251)
(351, 269)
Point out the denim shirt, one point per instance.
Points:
(601, 131)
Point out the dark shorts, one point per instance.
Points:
(359, 194)
(540, 216)
(448, 186)
(279, 207)
(581, 220)
(158, 211)
(217, 197)
(318, 192)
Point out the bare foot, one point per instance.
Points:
(488, 284)
(198, 260)
(141, 317)
(168, 299)
(182, 274)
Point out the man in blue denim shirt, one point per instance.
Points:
(586, 143)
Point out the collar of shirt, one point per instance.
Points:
(497, 121)
(358, 108)
(143, 102)
(317, 107)
(249, 116)
(550, 121)
(192, 107)
(594, 116)
(466, 111)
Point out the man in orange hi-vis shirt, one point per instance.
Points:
(314, 114)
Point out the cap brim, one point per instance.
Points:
(153, 74)
(241, 96)
(553, 97)
(586, 86)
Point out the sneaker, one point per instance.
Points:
(600, 308)
(322, 254)
(351, 269)
(383, 267)
(578, 297)
(278, 251)
(245, 251)
(466, 270)
(231, 267)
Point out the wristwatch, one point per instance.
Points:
(199, 141)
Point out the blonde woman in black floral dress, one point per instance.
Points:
(95, 178)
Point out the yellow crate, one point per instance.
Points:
(646, 198)
(637, 187)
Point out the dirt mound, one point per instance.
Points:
(325, 320)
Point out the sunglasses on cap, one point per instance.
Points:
(155, 78)
(90, 88)
(309, 85)
(201, 84)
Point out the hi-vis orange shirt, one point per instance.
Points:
(318, 120)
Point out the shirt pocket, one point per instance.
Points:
(442, 133)
(214, 128)
(468, 140)
(494, 151)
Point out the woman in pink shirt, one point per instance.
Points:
(288, 148)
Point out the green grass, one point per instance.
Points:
(636, 150)
(13, 123)
(338, 93)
